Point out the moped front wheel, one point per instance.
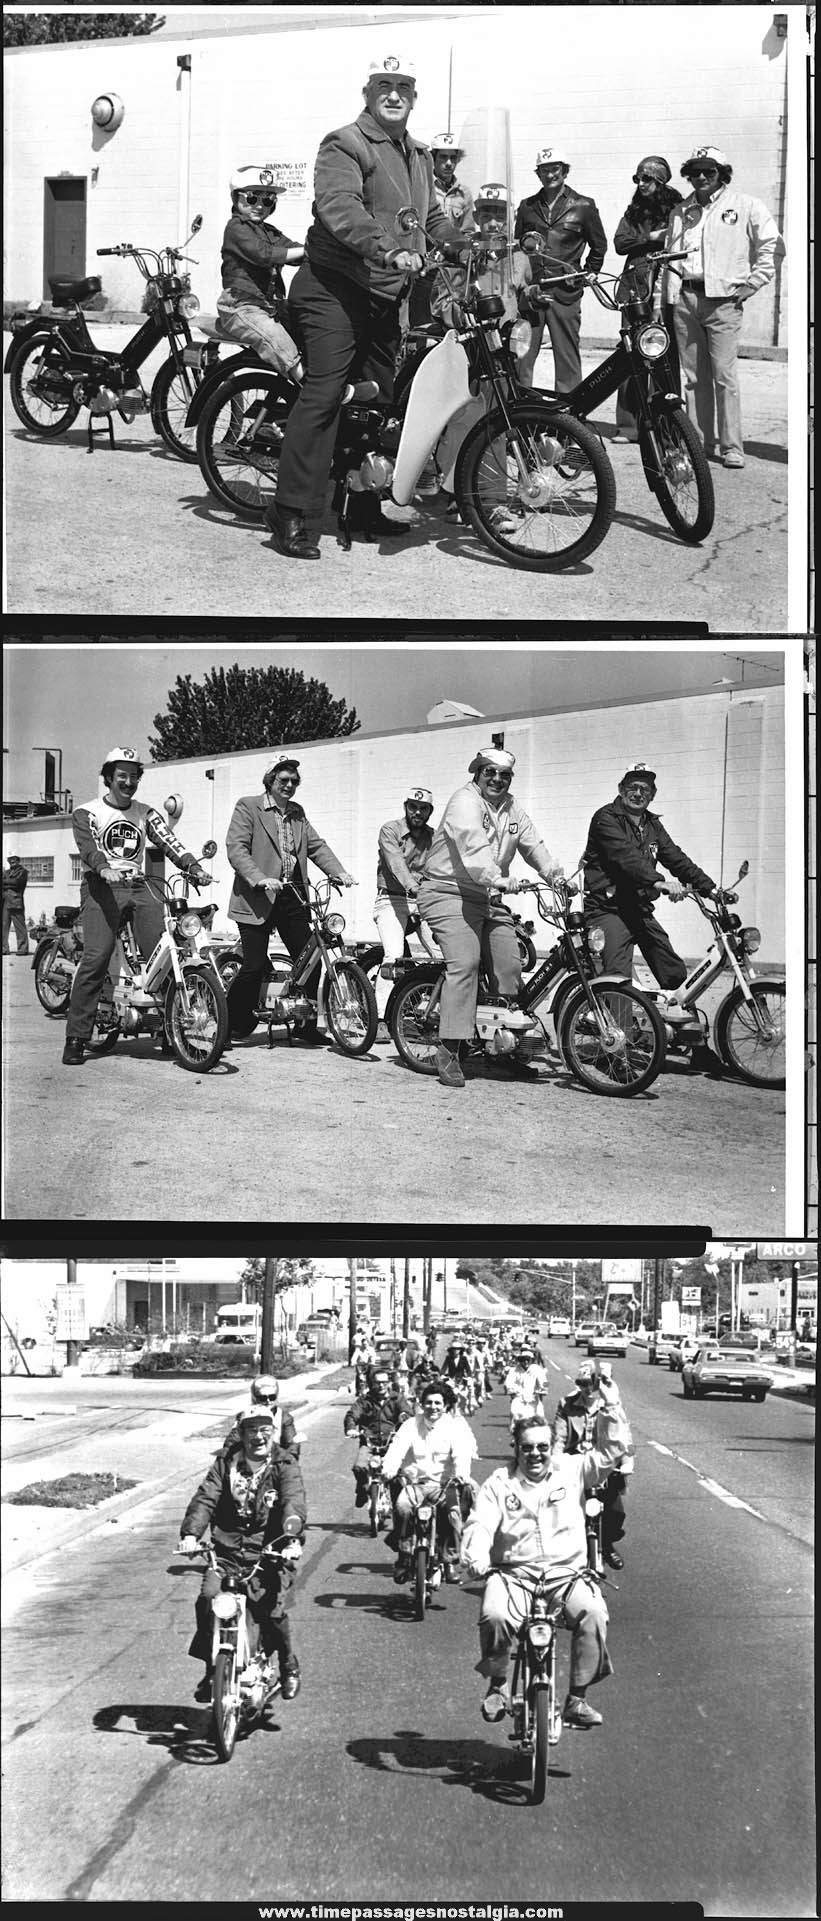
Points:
(684, 487)
(41, 396)
(171, 397)
(540, 492)
(414, 1027)
(420, 1582)
(197, 1034)
(373, 1509)
(753, 1040)
(53, 977)
(350, 1008)
(541, 1746)
(627, 1056)
(239, 439)
(225, 1705)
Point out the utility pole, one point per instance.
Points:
(351, 1305)
(573, 1297)
(73, 1347)
(427, 1283)
(656, 1289)
(269, 1288)
(406, 1300)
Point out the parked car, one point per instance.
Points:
(559, 1324)
(716, 1370)
(608, 1339)
(685, 1349)
(583, 1331)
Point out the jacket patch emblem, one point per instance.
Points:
(122, 837)
(513, 1504)
(513, 827)
(730, 217)
(486, 822)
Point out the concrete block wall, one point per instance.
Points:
(610, 83)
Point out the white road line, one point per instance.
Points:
(710, 1487)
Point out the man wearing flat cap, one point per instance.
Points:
(345, 299)
(566, 223)
(625, 842)
(269, 844)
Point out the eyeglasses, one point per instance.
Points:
(646, 179)
(287, 780)
(526, 1448)
(493, 773)
(255, 199)
(708, 173)
(267, 1400)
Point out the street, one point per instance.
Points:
(381, 1781)
(370, 1141)
(133, 531)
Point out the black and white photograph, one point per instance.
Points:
(407, 1581)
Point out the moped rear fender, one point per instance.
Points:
(440, 387)
(245, 357)
(39, 324)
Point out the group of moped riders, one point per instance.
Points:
(525, 1523)
(453, 876)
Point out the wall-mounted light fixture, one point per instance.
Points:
(184, 62)
(107, 112)
(780, 24)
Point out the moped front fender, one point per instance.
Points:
(758, 980)
(440, 387)
(245, 357)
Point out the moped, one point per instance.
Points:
(244, 1684)
(342, 998)
(749, 1027)
(56, 958)
(175, 994)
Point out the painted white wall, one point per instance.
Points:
(610, 83)
(568, 764)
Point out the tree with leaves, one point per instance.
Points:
(49, 29)
(242, 707)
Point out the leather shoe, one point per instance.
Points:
(289, 534)
(203, 1689)
(448, 1068)
(365, 516)
(73, 1053)
(291, 1681)
(613, 1559)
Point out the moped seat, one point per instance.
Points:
(66, 916)
(64, 291)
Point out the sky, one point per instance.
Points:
(86, 699)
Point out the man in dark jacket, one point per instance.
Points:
(566, 223)
(345, 298)
(269, 844)
(624, 842)
(250, 1492)
(574, 1432)
(15, 877)
(374, 1416)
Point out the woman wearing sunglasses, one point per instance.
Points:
(730, 240)
(641, 230)
(528, 1522)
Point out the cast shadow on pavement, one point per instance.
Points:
(182, 1731)
(497, 1773)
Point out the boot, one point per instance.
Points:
(365, 516)
(289, 533)
(448, 1066)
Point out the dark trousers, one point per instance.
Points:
(101, 916)
(15, 917)
(268, 1599)
(612, 1519)
(289, 917)
(627, 927)
(345, 333)
(563, 322)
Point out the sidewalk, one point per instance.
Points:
(171, 1448)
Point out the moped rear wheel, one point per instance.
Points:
(171, 397)
(541, 1747)
(239, 439)
(226, 1710)
(684, 488)
(759, 1058)
(416, 1035)
(350, 1008)
(43, 413)
(556, 511)
(53, 976)
(198, 1036)
(624, 1060)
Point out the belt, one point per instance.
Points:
(699, 284)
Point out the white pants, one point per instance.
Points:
(391, 914)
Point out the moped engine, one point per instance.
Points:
(373, 474)
(508, 1030)
(286, 1007)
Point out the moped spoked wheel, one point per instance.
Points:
(228, 966)
(37, 394)
(239, 439)
(759, 1058)
(420, 1583)
(171, 397)
(541, 1747)
(350, 1008)
(53, 977)
(226, 1710)
(684, 488)
(199, 1036)
(415, 1033)
(541, 495)
(373, 1509)
(628, 1057)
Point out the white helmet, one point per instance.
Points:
(551, 157)
(446, 143)
(257, 180)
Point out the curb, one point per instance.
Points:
(87, 1521)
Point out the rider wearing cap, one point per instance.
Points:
(528, 1522)
(526, 1383)
(481, 830)
(265, 1394)
(111, 834)
(730, 240)
(455, 201)
(642, 230)
(252, 1488)
(345, 298)
(404, 845)
(624, 843)
(566, 223)
(428, 1455)
(252, 305)
(374, 1417)
(269, 843)
(574, 1431)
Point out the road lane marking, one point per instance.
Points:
(710, 1487)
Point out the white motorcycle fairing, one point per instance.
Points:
(439, 388)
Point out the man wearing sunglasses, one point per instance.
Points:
(269, 844)
(730, 240)
(621, 881)
(528, 1522)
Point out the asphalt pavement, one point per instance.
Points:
(131, 530)
(367, 1140)
(381, 1782)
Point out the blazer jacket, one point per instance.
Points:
(252, 845)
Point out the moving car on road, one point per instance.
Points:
(583, 1332)
(684, 1348)
(559, 1324)
(718, 1370)
(608, 1339)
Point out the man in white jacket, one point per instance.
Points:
(528, 1522)
(731, 240)
(427, 1452)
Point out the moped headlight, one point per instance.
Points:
(424, 1513)
(595, 940)
(188, 925)
(593, 1505)
(750, 938)
(520, 336)
(540, 1634)
(653, 341)
(225, 1606)
(188, 304)
(335, 923)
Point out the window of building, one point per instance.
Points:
(40, 870)
(77, 868)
